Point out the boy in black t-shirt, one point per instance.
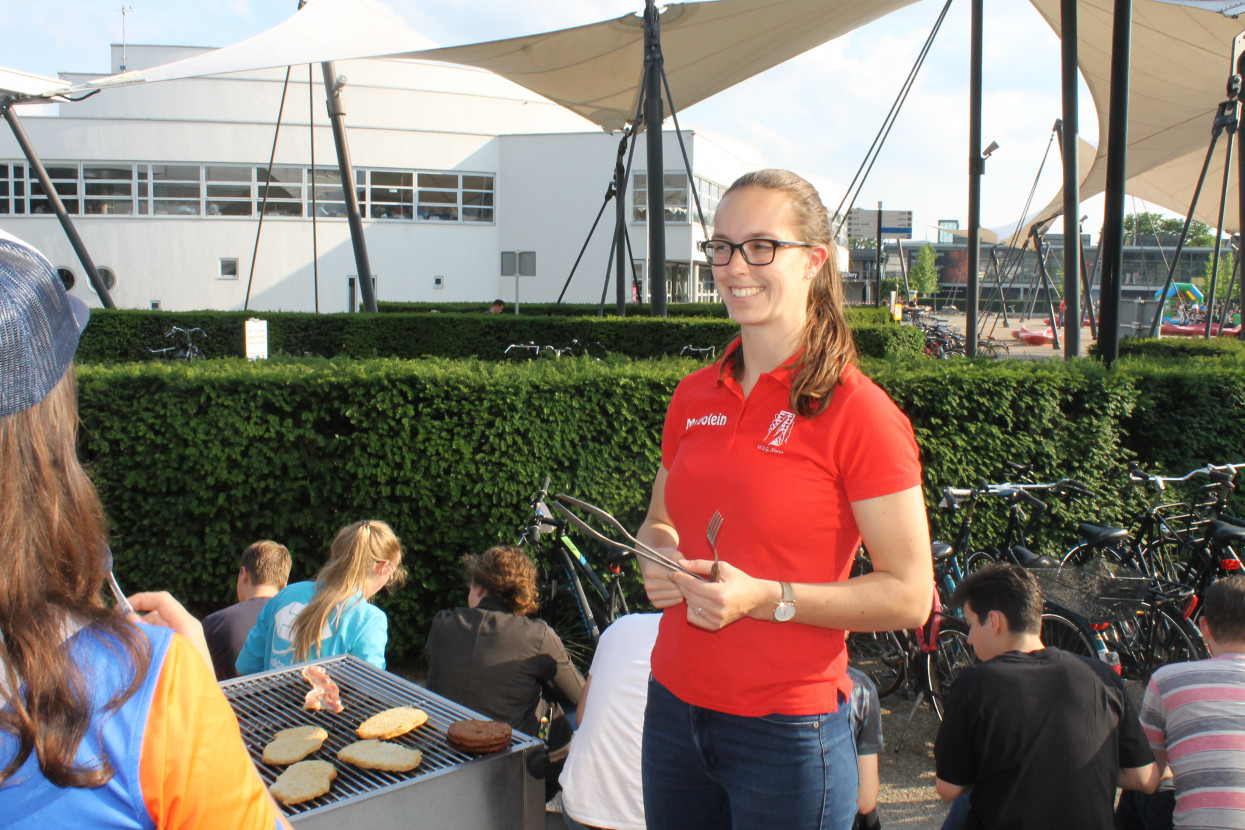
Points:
(1042, 737)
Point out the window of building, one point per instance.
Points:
(64, 178)
(706, 291)
(175, 189)
(390, 195)
(155, 305)
(477, 198)
(108, 189)
(228, 268)
(438, 197)
(326, 189)
(229, 190)
(67, 278)
(283, 189)
(710, 194)
(674, 192)
(5, 189)
(109, 277)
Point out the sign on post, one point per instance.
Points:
(256, 338)
(863, 224)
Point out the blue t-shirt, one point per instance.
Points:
(355, 627)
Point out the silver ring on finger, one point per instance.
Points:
(698, 610)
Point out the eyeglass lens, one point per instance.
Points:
(755, 251)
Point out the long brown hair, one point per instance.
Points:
(355, 550)
(508, 574)
(826, 346)
(53, 539)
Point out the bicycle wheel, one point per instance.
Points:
(1058, 631)
(978, 560)
(881, 655)
(943, 665)
(1173, 639)
(561, 611)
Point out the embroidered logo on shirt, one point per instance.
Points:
(715, 420)
(779, 431)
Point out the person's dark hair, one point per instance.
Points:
(1009, 589)
(826, 343)
(53, 543)
(508, 574)
(1224, 608)
(267, 563)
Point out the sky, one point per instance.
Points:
(817, 114)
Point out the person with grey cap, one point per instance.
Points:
(104, 720)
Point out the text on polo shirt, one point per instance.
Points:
(715, 420)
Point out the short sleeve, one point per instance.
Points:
(373, 639)
(954, 759)
(194, 768)
(1134, 746)
(875, 450)
(869, 738)
(670, 433)
(254, 654)
(1154, 717)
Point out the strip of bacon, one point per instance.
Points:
(324, 693)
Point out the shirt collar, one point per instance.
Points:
(784, 374)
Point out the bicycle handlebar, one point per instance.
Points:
(1136, 475)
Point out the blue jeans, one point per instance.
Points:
(707, 769)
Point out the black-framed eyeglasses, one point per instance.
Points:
(754, 251)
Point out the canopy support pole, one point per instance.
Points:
(1071, 182)
(653, 119)
(54, 199)
(337, 113)
(1117, 180)
(976, 167)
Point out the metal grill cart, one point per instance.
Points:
(449, 790)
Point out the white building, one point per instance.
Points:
(461, 176)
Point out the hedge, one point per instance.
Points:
(129, 335)
(195, 461)
(855, 313)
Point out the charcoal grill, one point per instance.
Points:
(449, 790)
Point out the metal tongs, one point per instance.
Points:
(637, 547)
(117, 593)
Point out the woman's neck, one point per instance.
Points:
(763, 352)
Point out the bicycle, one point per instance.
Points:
(929, 657)
(576, 601)
(706, 353)
(187, 351)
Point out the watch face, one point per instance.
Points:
(784, 611)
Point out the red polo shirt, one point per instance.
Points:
(785, 485)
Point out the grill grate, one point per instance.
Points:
(267, 703)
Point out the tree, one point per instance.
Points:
(1141, 229)
(923, 278)
(1226, 262)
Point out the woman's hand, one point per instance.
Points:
(162, 608)
(715, 605)
(661, 591)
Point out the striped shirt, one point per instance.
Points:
(1195, 713)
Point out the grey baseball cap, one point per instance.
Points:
(40, 324)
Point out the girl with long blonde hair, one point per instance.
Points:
(332, 615)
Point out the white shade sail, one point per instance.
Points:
(594, 70)
(1181, 61)
(14, 81)
(707, 47)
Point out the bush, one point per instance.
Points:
(195, 461)
(128, 335)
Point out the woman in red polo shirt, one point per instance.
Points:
(803, 456)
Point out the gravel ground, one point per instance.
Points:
(907, 798)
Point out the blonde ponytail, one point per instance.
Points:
(355, 551)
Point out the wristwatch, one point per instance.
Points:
(785, 609)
